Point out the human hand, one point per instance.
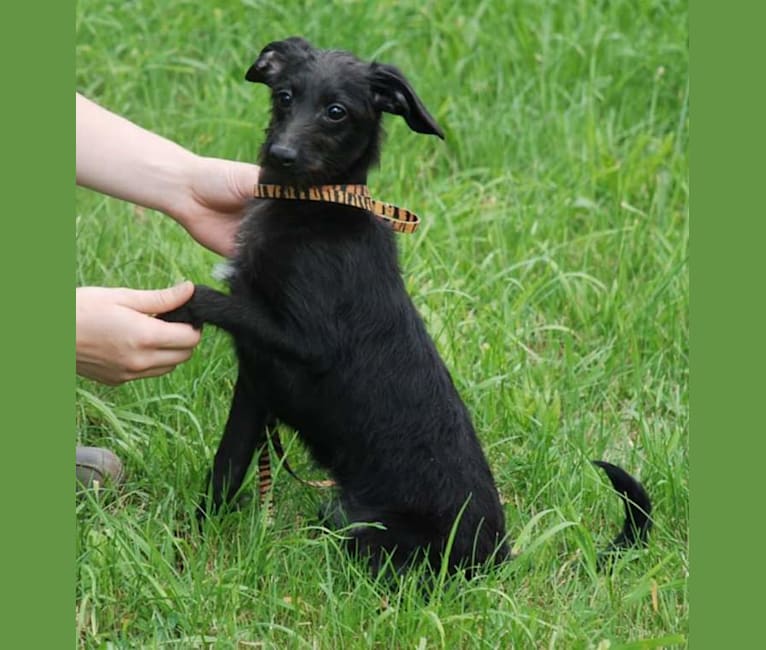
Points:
(118, 339)
(207, 196)
(213, 205)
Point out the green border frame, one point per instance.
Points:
(37, 272)
(727, 235)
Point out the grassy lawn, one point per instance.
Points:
(551, 269)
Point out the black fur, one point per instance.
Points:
(327, 338)
(638, 508)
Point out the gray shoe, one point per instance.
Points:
(96, 466)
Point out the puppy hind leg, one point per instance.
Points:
(332, 514)
(389, 545)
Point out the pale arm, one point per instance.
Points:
(205, 195)
(118, 339)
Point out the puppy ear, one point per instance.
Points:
(273, 58)
(392, 93)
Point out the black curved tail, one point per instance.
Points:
(638, 507)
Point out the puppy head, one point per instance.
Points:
(276, 56)
(326, 112)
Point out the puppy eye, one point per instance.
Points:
(336, 112)
(284, 98)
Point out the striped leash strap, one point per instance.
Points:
(280, 453)
(265, 481)
(357, 196)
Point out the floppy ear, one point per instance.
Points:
(274, 57)
(392, 93)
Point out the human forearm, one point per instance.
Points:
(119, 158)
(206, 196)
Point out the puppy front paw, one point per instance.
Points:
(183, 314)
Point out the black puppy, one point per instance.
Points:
(328, 340)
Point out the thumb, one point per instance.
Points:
(157, 301)
(243, 177)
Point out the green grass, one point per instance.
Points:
(552, 272)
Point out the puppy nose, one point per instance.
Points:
(285, 156)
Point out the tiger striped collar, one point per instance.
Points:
(357, 196)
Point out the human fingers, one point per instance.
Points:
(170, 336)
(156, 301)
(148, 361)
(242, 177)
